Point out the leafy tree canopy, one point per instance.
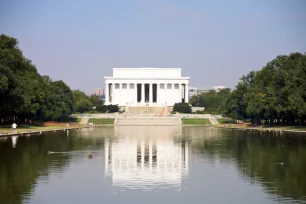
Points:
(274, 94)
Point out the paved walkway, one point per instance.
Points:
(39, 131)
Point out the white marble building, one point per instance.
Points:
(146, 87)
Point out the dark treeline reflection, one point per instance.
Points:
(21, 167)
(277, 162)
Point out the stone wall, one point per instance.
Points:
(195, 109)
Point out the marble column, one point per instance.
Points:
(158, 93)
(172, 91)
(135, 93)
(186, 93)
(106, 92)
(128, 97)
(180, 92)
(112, 93)
(128, 92)
(134, 96)
(166, 93)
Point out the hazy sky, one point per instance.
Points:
(214, 42)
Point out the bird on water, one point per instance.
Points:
(89, 156)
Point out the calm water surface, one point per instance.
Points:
(153, 165)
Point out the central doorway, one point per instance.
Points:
(147, 93)
(154, 93)
(139, 93)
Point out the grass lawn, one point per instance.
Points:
(78, 120)
(195, 121)
(101, 121)
(225, 121)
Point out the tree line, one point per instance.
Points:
(31, 159)
(25, 95)
(262, 156)
(91, 104)
(276, 94)
(212, 101)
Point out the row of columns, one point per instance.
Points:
(107, 90)
(177, 163)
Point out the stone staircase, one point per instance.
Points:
(84, 121)
(148, 120)
(213, 121)
(142, 110)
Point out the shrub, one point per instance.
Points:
(112, 108)
(101, 108)
(107, 108)
(182, 108)
(226, 121)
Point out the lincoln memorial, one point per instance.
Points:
(146, 87)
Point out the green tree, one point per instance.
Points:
(182, 107)
(213, 101)
(274, 94)
(82, 102)
(24, 93)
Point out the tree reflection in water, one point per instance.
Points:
(277, 162)
(27, 161)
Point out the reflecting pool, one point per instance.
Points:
(154, 164)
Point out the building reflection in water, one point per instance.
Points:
(146, 157)
(14, 141)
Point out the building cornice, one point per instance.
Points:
(147, 68)
(144, 78)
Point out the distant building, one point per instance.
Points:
(218, 88)
(203, 90)
(99, 92)
(193, 91)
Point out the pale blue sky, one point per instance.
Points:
(214, 42)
